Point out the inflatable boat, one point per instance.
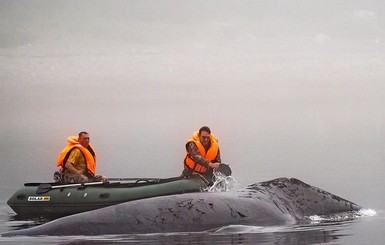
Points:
(54, 200)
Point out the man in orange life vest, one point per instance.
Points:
(202, 153)
(77, 161)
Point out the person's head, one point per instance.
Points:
(84, 139)
(204, 135)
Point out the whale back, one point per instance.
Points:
(303, 199)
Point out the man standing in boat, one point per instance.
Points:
(202, 153)
(77, 161)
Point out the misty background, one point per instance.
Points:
(290, 88)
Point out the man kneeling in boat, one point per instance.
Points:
(77, 161)
(202, 154)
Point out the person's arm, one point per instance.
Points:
(72, 169)
(195, 155)
(74, 155)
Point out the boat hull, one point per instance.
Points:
(57, 202)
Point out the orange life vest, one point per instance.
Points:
(210, 155)
(74, 143)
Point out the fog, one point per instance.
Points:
(290, 88)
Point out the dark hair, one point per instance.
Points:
(81, 133)
(204, 128)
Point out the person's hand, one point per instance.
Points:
(214, 164)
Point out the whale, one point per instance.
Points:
(280, 201)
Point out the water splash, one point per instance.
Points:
(344, 216)
(223, 183)
(367, 212)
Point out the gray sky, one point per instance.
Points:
(180, 23)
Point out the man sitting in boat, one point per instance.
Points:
(202, 153)
(77, 161)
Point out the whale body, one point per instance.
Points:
(280, 201)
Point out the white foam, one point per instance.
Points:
(367, 212)
(315, 219)
(224, 183)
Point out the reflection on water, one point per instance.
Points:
(314, 235)
(17, 223)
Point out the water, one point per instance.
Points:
(290, 89)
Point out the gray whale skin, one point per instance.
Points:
(280, 201)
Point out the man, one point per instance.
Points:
(77, 161)
(202, 153)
